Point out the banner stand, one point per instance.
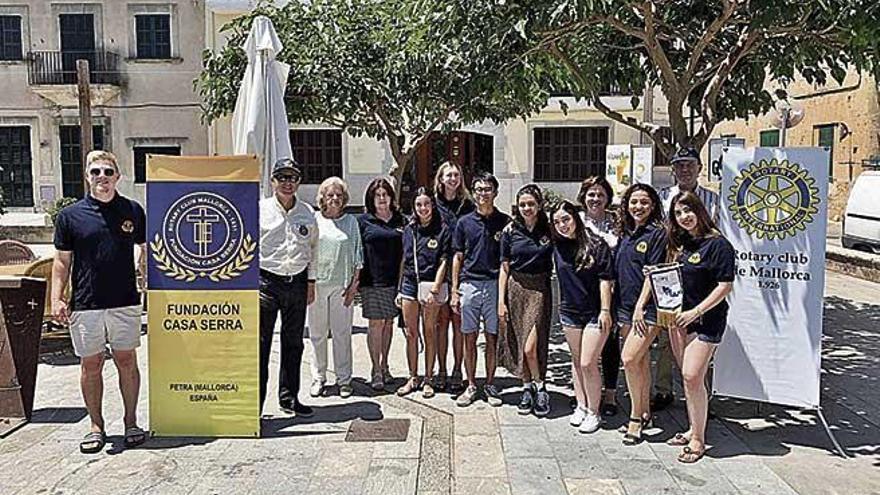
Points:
(774, 214)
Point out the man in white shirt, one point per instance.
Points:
(686, 167)
(288, 254)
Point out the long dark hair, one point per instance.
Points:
(676, 234)
(625, 222)
(586, 241)
(370, 195)
(543, 224)
(424, 191)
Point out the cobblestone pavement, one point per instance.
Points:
(480, 449)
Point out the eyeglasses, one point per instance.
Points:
(287, 178)
(108, 172)
(484, 190)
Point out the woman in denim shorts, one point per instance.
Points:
(707, 271)
(426, 245)
(585, 271)
(642, 243)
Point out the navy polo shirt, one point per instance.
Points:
(452, 210)
(102, 237)
(527, 251)
(383, 246)
(644, 246)
(478, 238)
(704, 263)
(579, 288)
(432, 245)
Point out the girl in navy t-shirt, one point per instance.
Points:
(453, 202)
(642, 243)
(524, 298)
(426, 241)
(585, 271)
(707, 272)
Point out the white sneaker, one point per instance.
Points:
(577, 416)
(591, 422)
(317, 388)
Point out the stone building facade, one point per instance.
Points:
(143, 57)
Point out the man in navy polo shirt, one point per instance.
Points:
(475, 268)
(98, 235)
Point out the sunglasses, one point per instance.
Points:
(287, 178)
(108, 172)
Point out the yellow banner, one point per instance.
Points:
(243, 168)
(204, 358)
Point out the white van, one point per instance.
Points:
(861, 222)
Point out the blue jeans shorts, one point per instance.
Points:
(479, 300)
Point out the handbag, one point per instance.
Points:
(442, 296)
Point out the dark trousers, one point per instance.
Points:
(286, 295)
(611, 359)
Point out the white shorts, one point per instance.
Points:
(92, 329)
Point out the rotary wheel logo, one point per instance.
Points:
(773, 200)
(202, 236)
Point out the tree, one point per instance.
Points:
(712, 56)
(390, 69)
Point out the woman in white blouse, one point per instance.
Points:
(339, 261)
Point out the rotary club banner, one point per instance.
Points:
(775, 213)
(203, 297)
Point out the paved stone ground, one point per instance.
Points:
(485, 450)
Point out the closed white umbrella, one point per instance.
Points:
(259, 122)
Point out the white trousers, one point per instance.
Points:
(327, 315)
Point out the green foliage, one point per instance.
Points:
(714, 56)
(395, 69)
(55, 208)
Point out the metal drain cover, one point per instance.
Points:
(383, 430)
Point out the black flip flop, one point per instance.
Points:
(134, 436)
(93, 442)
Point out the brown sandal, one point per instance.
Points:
(690, 456)
(408, 387)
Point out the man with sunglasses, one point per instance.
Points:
(98, 235)
(288, 254)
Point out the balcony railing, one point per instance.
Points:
(60, 67)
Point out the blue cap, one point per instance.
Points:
(286, 165)
(685, 154)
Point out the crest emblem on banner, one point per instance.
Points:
(773, 199)
(202, 236)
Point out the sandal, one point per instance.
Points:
(679, 440)
(427, 390)
(93, 442)
(634, 438)
(408, 387)
(690, 456)
(134, 436)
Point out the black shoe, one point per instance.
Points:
(609, 409)
(661, 401)
(542, 403)
(526, 402)
(298, 409)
